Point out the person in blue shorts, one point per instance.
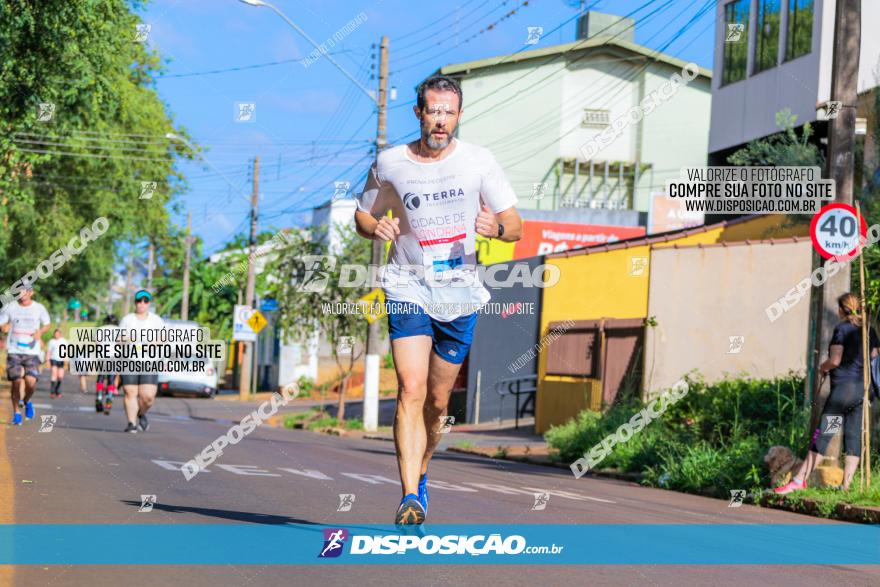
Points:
(441, 192)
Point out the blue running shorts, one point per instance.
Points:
(451, 340)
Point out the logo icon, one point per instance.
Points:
(831, 424)
(316, 274)
(141, 32)
(637, 266)
(47, 423)
(245, 112)
(736, 498)
(147, 503)
(735, 344)
(334, 539)
(534, 34)
(539, 190)
(446, 423)
(832, 109)
(147, 189)
(541, 501)
(734, 31)
(346, 501)
(345, 345)
(411, 201)
(45, 111)
(341, 189)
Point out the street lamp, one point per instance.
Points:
(315, 45)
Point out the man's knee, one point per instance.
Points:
(412, 390)
(437, 404)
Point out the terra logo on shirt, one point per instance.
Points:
(411, 201)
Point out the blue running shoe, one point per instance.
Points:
(423, 492)
(16, 419)
(29, 410)
(410, 511)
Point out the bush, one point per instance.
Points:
(305, 384)
(712, 440)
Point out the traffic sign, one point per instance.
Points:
(373, 305)
(241, 328)
(257, 321)
(833, 230)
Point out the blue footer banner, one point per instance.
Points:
(523, 544)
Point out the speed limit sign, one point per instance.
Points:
(833, 230)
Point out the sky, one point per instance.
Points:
(312, 125)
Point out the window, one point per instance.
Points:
(799, 40)
(596, 118)
(767, 33)
(736, 42)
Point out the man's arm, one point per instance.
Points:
(384, 228)
(487, 224)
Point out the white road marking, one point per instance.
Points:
(308, 473)
(568, 494)
(247, 470)
(253, 470)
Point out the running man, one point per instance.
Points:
(25, 321)
(441, 192)
(55, 362)
(140, 390)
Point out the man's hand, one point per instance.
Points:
(486, 224)
(387, 228)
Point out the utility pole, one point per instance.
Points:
(184, 300)
(374, 332)
(841, 147)
(151, 261)
(249, 348)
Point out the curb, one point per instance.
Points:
(810, 507)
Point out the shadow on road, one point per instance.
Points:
(251, 517)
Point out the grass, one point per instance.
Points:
(711, 441)
(465, 445)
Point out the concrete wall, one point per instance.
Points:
(701, 296)
(600, 283)
(517, 119)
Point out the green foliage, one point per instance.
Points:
(305, 384)
(782, 149)
(81, 56)
(712, 440)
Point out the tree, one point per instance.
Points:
(105, 136)
(784, 149)
(306, 301)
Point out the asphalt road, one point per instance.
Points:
(87, 471)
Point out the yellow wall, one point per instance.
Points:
(600, 285)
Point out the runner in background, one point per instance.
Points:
(25, 321)
(55, 363)
(105, 386)
(140, 389)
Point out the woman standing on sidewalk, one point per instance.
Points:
(843, 409)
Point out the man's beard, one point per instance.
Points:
(435, 144)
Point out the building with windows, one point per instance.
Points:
(772, 55)
(561, 120)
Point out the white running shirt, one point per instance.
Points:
(54, 343)
(437, 204)
(26, 321)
